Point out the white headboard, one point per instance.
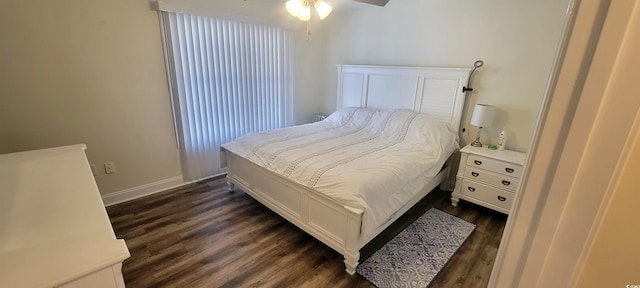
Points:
(429, 90)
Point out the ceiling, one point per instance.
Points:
(336, 4)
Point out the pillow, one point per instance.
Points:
(422, 128)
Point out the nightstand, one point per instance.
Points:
(488, 177)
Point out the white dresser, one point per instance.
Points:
(54, 229)
(488, 177)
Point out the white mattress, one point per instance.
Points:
(375, 160)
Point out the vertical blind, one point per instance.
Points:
(227, 78)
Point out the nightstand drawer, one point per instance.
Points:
(488, 194)
(494, 166)
(487, 177)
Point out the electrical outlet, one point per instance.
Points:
(94, 169)
(109, 168)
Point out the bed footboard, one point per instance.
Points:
(334, 224)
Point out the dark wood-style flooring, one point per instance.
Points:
(201, 235)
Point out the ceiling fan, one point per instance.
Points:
(302, 8)
(374, 2)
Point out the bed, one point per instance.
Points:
(345, 179)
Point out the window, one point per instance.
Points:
(227, 78)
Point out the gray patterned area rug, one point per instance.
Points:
(416, 255)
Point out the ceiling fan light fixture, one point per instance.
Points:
(323, 9)
(302, 9)
(304, 13)
(294, 7)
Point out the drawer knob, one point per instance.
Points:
(478, 162)
(506, 183)
(502, 198)
(509, 170)
(474, 174)
(471, 189)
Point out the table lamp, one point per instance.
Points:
(483, 116)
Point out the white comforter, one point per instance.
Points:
(375, 160)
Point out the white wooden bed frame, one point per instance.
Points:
(433, 91)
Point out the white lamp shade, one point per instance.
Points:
(323, 9)
(484, 115)
(305, 13)
(294, 7)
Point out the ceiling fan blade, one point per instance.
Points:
(374, 2)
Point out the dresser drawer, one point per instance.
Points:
(488, 194)
(487, 177)
(494, 166)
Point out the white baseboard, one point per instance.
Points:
(141, 191)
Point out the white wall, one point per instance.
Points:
(88, 72)
(516, 39)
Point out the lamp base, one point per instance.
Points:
(476, 144)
